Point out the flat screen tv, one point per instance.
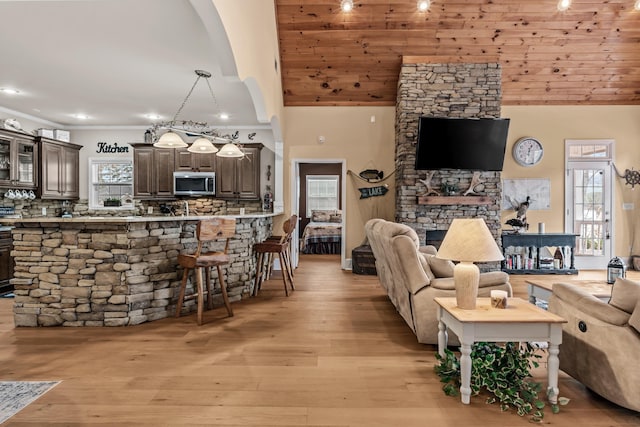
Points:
(461, 143)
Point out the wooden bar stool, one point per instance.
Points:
(287, 254)
(206, 231)
(281, 247)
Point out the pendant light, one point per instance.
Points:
(171, 139)
(202, 145)
(230, 150)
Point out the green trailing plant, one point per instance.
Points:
(502, 372)
(112, 201)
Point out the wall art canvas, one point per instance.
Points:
(515, 191)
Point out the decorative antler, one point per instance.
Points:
(430, 191)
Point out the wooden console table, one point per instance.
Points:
(537, 241)
(519, 322)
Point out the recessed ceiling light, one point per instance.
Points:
(224, 116)
(423, 5)
(637, 5)
(153, 116)
(563, 5)
(346, 5)
(9, 91)
(81, 116)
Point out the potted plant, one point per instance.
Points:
(502, 373)
(112, 202)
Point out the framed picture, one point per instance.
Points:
(515, 191)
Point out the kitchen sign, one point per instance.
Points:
(104, 147)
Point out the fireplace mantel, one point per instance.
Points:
(455, 200)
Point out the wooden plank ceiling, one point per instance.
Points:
(589, 54)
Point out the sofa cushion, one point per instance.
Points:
(625, 294)
(634, 320)
(440, 267)
(404, 262)
(424, 262)
(493, 278)
(428, 249)
(444, 283)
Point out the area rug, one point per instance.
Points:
(16, 395)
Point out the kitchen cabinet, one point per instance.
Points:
(59, 170)
(6, 262)
(18, 160)
(187, 161)
(153, 172)
(239, 178)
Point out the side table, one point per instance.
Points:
(519, 322)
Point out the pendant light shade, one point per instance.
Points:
(202, 145)
(170, 140)
(230, 150)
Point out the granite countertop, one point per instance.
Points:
(130, 219)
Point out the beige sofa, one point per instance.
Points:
(413, 276)
(600, 341)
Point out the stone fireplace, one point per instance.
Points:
(444, 87)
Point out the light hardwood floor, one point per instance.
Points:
(333, 354)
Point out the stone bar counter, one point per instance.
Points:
(117, 271)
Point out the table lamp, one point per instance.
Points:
(468, 241)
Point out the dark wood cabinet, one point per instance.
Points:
(239, 178)
(6, 262)
(59, 170)
(235, 178)
(18, 160)
(153, 172)
(194, 162)
(522, 253)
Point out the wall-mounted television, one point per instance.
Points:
(461, 143)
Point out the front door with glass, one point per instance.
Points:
(588, 197)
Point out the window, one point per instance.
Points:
(322, 193)
(111, 185)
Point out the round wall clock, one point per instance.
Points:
(527, 151)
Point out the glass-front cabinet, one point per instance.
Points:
(18, 161)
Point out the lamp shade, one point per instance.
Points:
(170, 140)
(469, 240)
(202, 145)
(230, 150)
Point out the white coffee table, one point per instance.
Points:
(519, 322)
(541, 288)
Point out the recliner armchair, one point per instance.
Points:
(601, 341)
(413, 276)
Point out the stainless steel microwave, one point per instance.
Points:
(194, 183)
